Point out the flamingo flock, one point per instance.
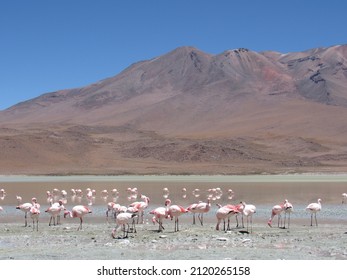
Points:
(126, 217)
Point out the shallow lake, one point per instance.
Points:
(263, 191)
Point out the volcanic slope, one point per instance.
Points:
(190, 112)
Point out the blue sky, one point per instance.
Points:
(48, 45)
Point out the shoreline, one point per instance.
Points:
(297, 177)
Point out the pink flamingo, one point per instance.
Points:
(110, 208)
(239, 207)
(248, 211)
(1, 209)
(141, 206)
(35, 203)
(78, 211)
(175, 211)
(191, 208)
(123, 219)
(159, 214)
(224, 212)
(54, 211)
(201, 208)
(314, 208)
(35, 214)
(276, 211)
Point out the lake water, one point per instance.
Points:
(263, 191)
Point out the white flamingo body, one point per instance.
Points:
(78, 211)
(191, 208)
(248, 211)
(55, 211)
(123, 219)
(25, 207)
(314, 208)
(141, 206)
(344, 198)
(201, 208)
(223, 213)
(288, 209)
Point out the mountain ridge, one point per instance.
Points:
(284, 111)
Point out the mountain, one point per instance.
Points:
(190, 112)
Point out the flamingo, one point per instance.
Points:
(19, 200)
(196, 192)
(110, 208)
(25, 207)
(224, 212)
(158, 215)
(314, 208)
(248, 211)
(175, 211)
(2, 194)
(1, 209)
(288, 208)
(239, 207)
(276, 211)
(141, 206)
(166, 192)
(192, 208)
(35, 203)
(132, 194)
(35, 214)
(123, 219)
(78, 211)
(344, 198)
(201, 208)
(54, 210)
(184, 192)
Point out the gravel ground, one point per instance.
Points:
(94, 242)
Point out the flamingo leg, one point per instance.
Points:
(201, 218)
(251, 224)
(311, 218)
(133, 225)
(228, 228)
(288, 220)
(194, 219)
(25, 217)
(278, 221)
(80, 226)
(125, 233)
(315, 217)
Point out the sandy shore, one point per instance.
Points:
(325, 242)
